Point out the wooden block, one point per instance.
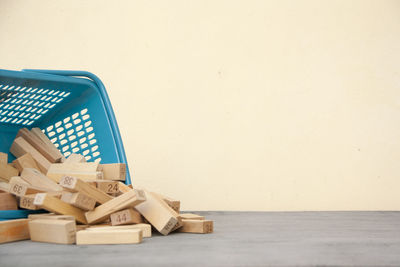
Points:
(75, 158)
(25, 161)
(50, 146)
(20, 147)
(129, 199)
(36, 178)
(146, 228)
(79, 200)
(22, 188)
(131, 236)
(52, 155)
(8, 201)
(14, 230)
(57, 176)
(173, 203)
(52, 231)
(58, 206)
(114, 171)
(75, 167)
(197, 226)
(3, 158)
(26, 202)
(74, 184)
(158, 213)
(127, 216)
(109, 187)
(51, 216)
(191, 216)
(7, 171)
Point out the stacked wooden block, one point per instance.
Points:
(89, 203)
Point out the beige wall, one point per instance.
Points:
(236, 105)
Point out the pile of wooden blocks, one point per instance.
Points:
(89, 203)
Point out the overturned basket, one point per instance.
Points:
(71, 107)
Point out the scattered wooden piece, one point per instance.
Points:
(51, 216)
(25, 161)
(3, 158)
(36, 178)
(22, 188)
(79, 200)
(114, 171)
(20, 147)
(74, 167)
(26, 202)
(14, 230)
(131, 236)
(173, 203)
(57, 175)
(74, 184)
(58, 206)
(158, 213)
(8, 201)
(52, 231)
(75, 158)
(197, 226)
(146, 228)
(7, 171)
(50, 154)
(129, 199)
(191, 216)
(49, 144)
(107, 186)
(126, 216)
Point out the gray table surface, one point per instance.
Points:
(240, 239)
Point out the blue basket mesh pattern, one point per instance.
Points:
(23, 105)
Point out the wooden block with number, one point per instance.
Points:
(52, 155)
(7, 171)
(58, 206)
(25, 161)
(158, 213)
(79, 200)
(3, 158)
(114, 171)
(197, 226)
(20, 189)
(8, 201)
(36, 178)
(131, 236)
(49, 145)
(26, 202)
(14, 230)
(75, 158)
(146, 228)
(52, 231)
(191, 216)
(126, 216)
(74, 184)
(129, 199)
(109, 187)
(173, 203)
(20, 147)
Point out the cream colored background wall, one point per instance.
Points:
(236, 105)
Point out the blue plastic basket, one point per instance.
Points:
(71, 107)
